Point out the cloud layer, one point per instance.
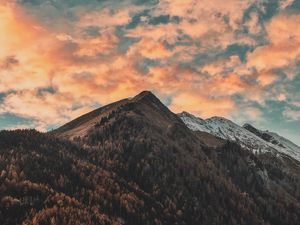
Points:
(59, 59)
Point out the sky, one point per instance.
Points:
(62, 58)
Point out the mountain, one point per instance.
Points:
(82, 124)
(136, 162)
(247, 136)
(146, 101)
(270, 159)
(282, 144)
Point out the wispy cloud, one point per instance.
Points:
(292, 114)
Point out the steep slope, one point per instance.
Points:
(45, 180)
(248, 137)
(272, 182)
(135, 162)
(147, 145)
(79, 126)
(157, 112)
(283, 144)
(265, 176)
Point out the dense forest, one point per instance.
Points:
(139, 164)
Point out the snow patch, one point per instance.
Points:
(228, 130)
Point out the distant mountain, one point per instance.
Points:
(135, 162)
(247, 136)
(282, 144)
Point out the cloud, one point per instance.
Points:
(103, 45)
(194, 9)
(106, 18)
(162, 32)
(253, 23)
(285, 3)
(9, 62)
(25, 104)
(227, 85)
(283, 48)
(281, 97)
(252, 113)
(178, 49)
(43, 108)
(223, 66)
(291, 114)
(266, 78)
(150, 49)
(25, 55)
(202, 105)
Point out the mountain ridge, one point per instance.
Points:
(247, 136)
(135, 162)
(79, 126)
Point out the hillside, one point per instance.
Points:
(246, 136)
(136, 162)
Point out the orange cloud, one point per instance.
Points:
(193, 8)
(284, 47)
(45, 109)
(28, 43)
(205, 19)
(150, 49)
(26, 103)
(12, 21)
(104, 45)
(106, 18)
(222, 66)
(226, 86)
(86, 69)
(33, 57)
(253, 24)
(192, 92)
(108, 81)
(252, 113)
(267, 78)
(162, 32)
(201, 105)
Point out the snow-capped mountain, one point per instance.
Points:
(282, 144)
(143, 153)
(247, 136)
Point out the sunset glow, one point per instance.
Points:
(60, 59)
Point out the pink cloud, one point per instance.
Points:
(29, 44)
(284, 47)
(84, 69)
(202, 105)
(266, 78)
(148, 48)
(106, 18)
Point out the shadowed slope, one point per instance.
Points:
(146, 144)
(80, 125)
(135, 162)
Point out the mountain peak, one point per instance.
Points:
(151, 104)
(149, 99)
(247, 136)
(145, 95)
(185, 113)
(219, 118)
(145, 103)
(248, 126)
